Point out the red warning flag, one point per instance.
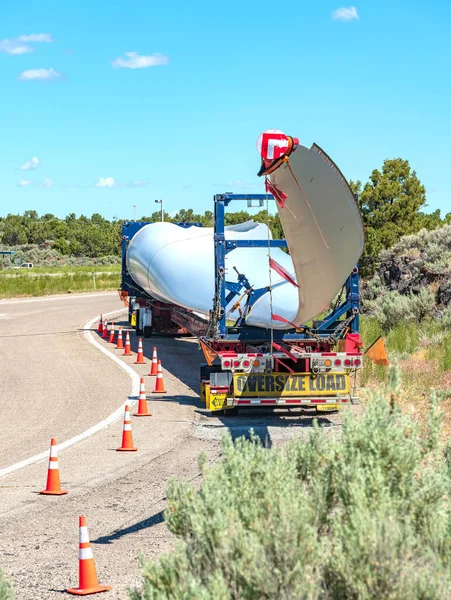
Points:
(280, 196)
(282, 271)
(209, 354)
(376, 352)
(282, 320)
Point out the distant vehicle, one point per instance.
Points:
(26, 266)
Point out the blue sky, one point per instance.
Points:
(366, 83)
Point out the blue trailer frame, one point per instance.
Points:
(225, 291)
(329, 327)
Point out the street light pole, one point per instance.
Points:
(160, 202)
(134, 211)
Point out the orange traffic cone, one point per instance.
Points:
(140, 356)
(127, 349)
(127, 436)
(100, 325)
(154, 367)
(111, 340)
(87, 576)
(105, 329)
(142, 402)
(120, 343)
(159, 384)
(53, 487)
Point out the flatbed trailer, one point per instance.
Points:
(314, 365)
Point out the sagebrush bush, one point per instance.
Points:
(446, 317)
(44, 256)
(392, 309)
(6, 588)
(422, 304)
(362, 515)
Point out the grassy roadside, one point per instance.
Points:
(63, 269)
(47, 280)
(423, 353)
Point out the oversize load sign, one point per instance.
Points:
(284, 384)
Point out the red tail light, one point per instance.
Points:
(337, 363)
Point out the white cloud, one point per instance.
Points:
(14, 47)
(24, 182)
(345, 14)
(106, 182)
(36, 37)
(39, 75)
(47, 183)
(139, 183)
(30, 165)
(20, 45)
(134, 61)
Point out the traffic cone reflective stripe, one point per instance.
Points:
(127, 436)
(120, 343)
(142, 402)
(154, 367)
(105, 329)
(87, 576)
(140, 356)
(100, 325)
(53, 487)
(111, 340)
(159, 384)
(127, 349)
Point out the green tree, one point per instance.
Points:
(390, 205)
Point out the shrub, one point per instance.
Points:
(6, 588)
(359, 516)
(393, 309)
(422, 304)
(446, 317)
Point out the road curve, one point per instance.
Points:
(53, 384)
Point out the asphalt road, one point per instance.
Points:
(54, 383)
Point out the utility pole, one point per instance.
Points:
(134, 211)
(160, 202)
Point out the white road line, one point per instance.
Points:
(53, 298)
(117, 414)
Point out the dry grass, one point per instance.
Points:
(424, 371)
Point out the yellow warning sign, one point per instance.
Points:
(218, 401)
(286, 384)
(133, 320)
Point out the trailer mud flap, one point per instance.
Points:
(218, 401)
